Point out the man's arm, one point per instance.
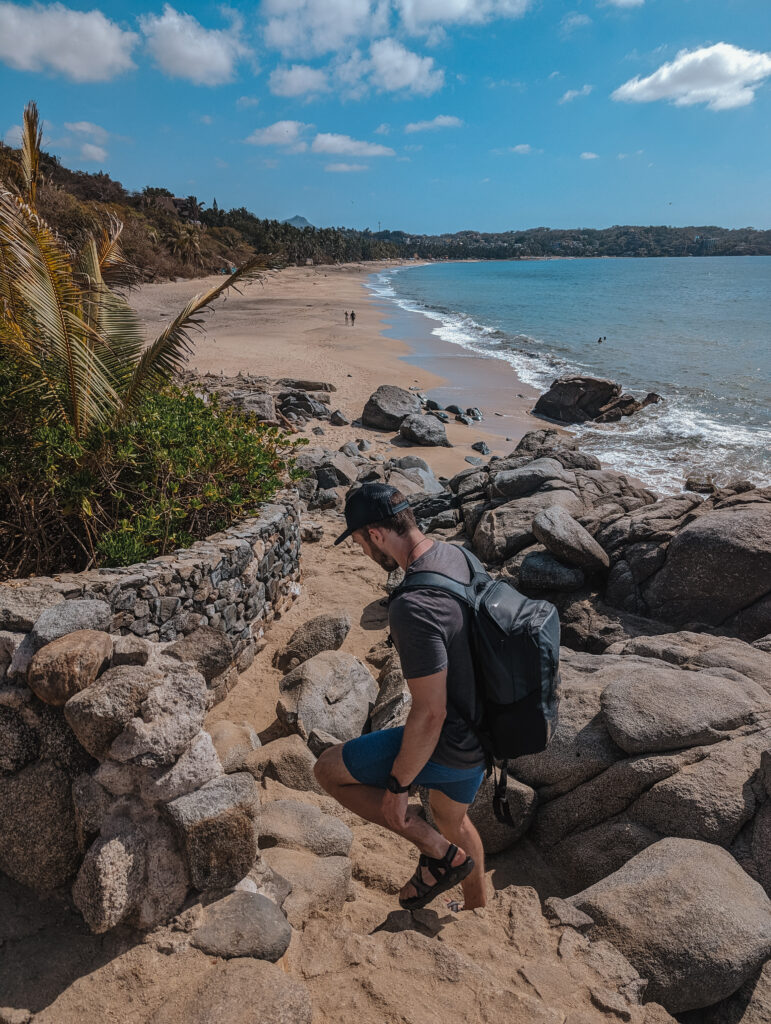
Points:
(421, 735)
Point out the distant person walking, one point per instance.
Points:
(346, 318)
(353, 318)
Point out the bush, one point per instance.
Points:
(179, 470)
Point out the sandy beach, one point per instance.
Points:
(291, 324)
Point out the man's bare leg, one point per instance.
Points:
(454, 824)
(334, 777)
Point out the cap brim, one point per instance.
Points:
(343, 536)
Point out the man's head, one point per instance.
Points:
(379, 519)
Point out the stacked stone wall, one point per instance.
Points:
(236, 581)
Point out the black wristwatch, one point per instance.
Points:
(393, 785)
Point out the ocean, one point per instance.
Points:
(696, 331)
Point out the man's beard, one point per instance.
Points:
(383, 560)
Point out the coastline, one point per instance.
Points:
(291, 324)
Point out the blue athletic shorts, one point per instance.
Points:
(370, 758)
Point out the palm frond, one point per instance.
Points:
(31, 140)
(168, 354)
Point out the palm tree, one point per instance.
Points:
(79, 345)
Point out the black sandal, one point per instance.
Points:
(445, 874)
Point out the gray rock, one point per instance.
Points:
(525, 480)
(207, 648)
(68, 665)
(217, 830)
(91, 803)
(243, 924)
(651, 707)
(422, 478)
(589, 856)
(323, 633)
(299, 826)
(233, 741)
(22, 603)
(566, 914)
(320, 885)
(333, 691)
(260, 404)
(424, 430)
(109, 882)
(319, 741)
(503, 531)
(170, 716)
(542, 571)
(339, 419)
(166, 883)
(716, 565)
(197, 765)
(706, 928)
(9, 645)
(56, 621)
(558, 531)
(388, 406)
(38, 841)
(288, 760)
(576, 399)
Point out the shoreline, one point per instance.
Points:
(291, 324)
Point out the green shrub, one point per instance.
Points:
(178, 470)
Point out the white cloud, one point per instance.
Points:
(722, 76)
(419, 15)
(573, 94)
(383, 129)
(573, 21)
(345, 168)
(393, 67)
(95, 132)
(183, 48)
(287, 134)
(244, 102)
(84, 46)
(344, 145)
(309, 28)
(440, 121)
(590, 156)
(624, 3)
(93, 153)
(206, 119)
(523, 149)
(14, 135)
(298, 80)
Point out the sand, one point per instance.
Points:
(291, 324)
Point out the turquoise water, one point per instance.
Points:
(697, 331)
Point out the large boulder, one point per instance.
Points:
(110, 879)
(169, 717)
(208, 649)
(333, 692)
(502, 532)
(68, 665)
(287, 760)
(322, 633)
(21, 603)
(525, 480)
(243, 924)
(576, 399)
(59, 620)
(558, 531)
(687, 918)
(217, 829)
(388, 406)
(540, 571)
(38, 840)
(717, 565)
(651, 707)
(424, 430)
(99, 714)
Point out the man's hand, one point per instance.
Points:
(394, 809)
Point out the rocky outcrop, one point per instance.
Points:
(387, 407)
(578, 399)
(706, 928)
(333, 692)
(424, 430)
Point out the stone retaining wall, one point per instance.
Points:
(236, 581)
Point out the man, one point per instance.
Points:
(437, 747)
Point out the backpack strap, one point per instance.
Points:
(469, 593)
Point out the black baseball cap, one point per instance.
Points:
(369, 504)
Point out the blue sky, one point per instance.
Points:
(425, 115)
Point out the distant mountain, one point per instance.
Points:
(297, 222)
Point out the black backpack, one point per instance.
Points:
(515, 644)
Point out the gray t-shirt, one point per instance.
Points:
(430, 630)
